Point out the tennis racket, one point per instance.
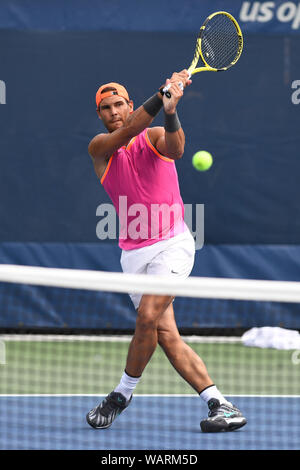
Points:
(219, 45)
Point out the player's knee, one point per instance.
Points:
(150, 310)
(146, 319)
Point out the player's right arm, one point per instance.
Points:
(102, 146)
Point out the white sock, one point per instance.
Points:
(212, 392)
(127, 385)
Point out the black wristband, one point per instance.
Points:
(153, 105)
(172, 123)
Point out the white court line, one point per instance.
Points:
(112, 338)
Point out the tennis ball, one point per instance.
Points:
(202, 160)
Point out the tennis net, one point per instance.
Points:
(63, 346)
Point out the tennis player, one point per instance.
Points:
(136, 163)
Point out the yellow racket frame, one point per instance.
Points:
(198, 51)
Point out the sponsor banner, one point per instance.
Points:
(270, 17)
(279, 17)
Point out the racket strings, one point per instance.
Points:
(220, 44)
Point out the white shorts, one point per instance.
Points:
(172, 257)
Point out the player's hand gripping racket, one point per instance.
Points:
(219, 45)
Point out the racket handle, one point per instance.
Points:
(166, 88)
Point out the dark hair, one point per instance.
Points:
(110, 88)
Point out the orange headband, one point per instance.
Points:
(118, 90)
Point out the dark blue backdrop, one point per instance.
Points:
(244, 117)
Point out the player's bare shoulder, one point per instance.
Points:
(98, 154)
(95, 147)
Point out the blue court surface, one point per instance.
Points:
(151, 422)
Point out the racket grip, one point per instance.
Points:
(166, 89)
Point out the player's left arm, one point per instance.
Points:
(170, 139)
(168, 144)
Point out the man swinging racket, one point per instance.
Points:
(136, 161)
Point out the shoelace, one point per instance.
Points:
(222, 407)
(108, 407)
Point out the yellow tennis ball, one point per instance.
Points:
(202, 160)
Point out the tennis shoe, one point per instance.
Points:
(222, 417)
(104, 414)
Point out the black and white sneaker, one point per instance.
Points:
(104, 414)
(222, 417)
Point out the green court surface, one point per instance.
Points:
(63, 365)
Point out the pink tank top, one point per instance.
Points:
(143, 186)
